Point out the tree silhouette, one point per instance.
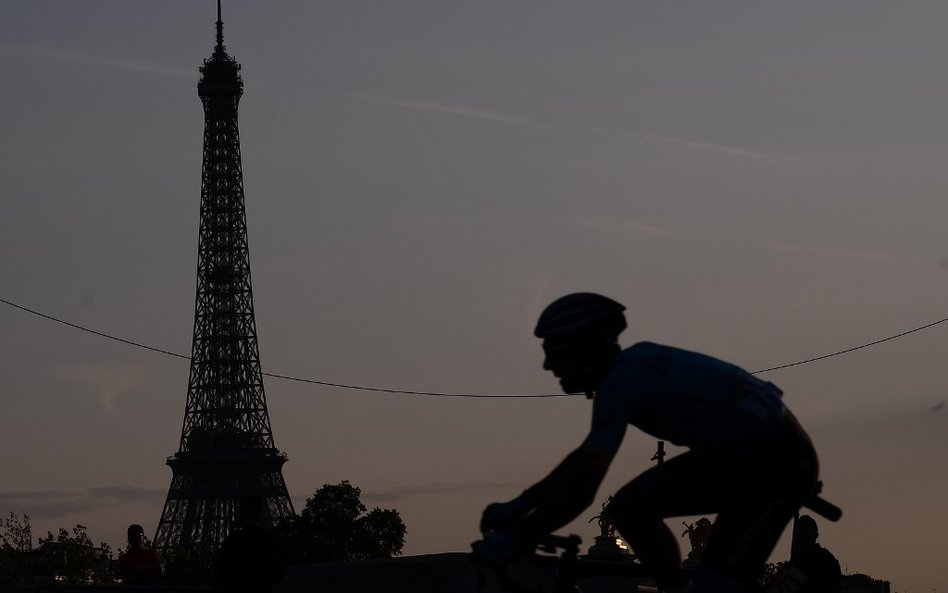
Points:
(73, 556)
(68, 555)
(334, 527)
(16, 542)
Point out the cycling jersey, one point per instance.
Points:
(686, 398)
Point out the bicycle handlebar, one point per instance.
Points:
(824, 508)
(551, 543)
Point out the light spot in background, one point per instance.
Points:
(108, 383)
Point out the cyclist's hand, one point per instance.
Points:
(496, 549)
(500, 515)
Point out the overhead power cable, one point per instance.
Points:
(408, 391)
(853, 349)
(94, 332)
(275, 375)
(439, 393)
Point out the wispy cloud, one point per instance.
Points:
(53, 504)
(629, 225)
(108, 383)
(691, 144)
(99, 61)
(451, 110)
(708, 147)
(493, 116)
(844, 253)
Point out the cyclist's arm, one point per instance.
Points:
(564, 494)
(571, 486)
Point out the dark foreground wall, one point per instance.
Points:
(53, 587)
(433, 573)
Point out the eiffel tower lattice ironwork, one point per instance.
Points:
(227, 452)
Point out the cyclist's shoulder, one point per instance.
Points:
(651, 366)
(642, 358)
(672, 359)
(647, 351)
(635, 366)
(643, 352)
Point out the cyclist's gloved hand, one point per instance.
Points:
(496, 549)
(500, 515)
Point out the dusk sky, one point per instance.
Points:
(765, 182)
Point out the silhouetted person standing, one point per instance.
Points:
(816, 562)
(139, 566)
(248, 560)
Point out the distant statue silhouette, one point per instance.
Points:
(749, 460)
(698, 534)
(139, 565)
(606, 528)
(816, 562)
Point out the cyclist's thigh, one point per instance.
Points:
(749, 525)
(684, 485)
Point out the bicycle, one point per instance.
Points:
(560, 554)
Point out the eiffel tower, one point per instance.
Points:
(226, 453)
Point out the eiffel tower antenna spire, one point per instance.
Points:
(220, 30)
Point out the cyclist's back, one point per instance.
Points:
(689, 399)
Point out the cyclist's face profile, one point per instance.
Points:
(565, 361)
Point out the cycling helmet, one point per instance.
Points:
(581, 313)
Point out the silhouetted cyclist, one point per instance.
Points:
(749, 460)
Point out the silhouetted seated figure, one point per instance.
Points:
(749, 460)
(248, 561)
(813, 560)
(139, 565)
